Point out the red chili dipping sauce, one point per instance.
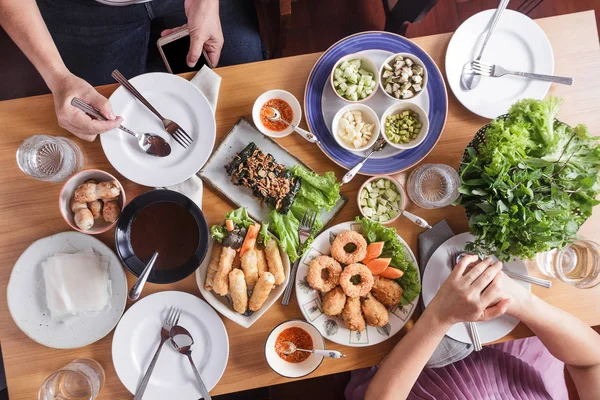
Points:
(284, 110)
(300, 338)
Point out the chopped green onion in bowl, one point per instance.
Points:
(380, 200)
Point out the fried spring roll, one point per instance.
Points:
(274, 261)
(250, 268)
(238, 290)
(261, 291)
(261, 262)
(237, 261)
(213, 266)
(221, 279)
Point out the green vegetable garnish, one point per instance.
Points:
(264, 236)
(402, 127)
(240, 217)
(394, 249)
(532, 183)
(218, 232)
(323, 191)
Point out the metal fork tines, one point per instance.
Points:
(497, 71)
(169, 322)
(474, 333)
(171, 127)
(304, 231)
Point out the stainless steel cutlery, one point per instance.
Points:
(497, 71)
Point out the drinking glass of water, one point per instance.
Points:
(81, 379)
(577, 264)
(49, 158)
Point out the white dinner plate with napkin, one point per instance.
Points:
(517, 44)
(137, 337)
(52, 324)
(437, 271)
(176, 99)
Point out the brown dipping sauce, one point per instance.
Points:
(300, 338)
(285, 111)
(167, 228)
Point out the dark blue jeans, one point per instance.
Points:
(94, 39)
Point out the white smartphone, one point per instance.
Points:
(173, 49)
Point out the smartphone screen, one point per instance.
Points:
(176, 54)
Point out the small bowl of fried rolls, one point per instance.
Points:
(242, 288)
(91, 201)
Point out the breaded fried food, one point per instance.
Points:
(356, 280)
(375, 313)
(334, 301)
(250, 268)
(261, 291)
(238, 290)
(261, 262)
(323, 273)
(387, 291)
(338, 247)
(274, 261)
(213, 266)
(221, 279)
(352, 315)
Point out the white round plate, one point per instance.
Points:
(379, 102)
(437, 271)
(517, 44)
(176, 99)
(26, 294)
(137, 337)
(223, 303)
(333, 328)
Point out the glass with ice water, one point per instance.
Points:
(49, 158)
(81, 379)
(577, 264)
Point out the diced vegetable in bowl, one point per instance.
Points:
(355, 127)
(404, 125)
(403, 76)
(381, 199)
(354, 78)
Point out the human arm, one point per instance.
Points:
(470, 296)
(204, 25)
(22, 20)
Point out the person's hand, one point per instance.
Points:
(75, 120)
(204, 25)
(474, 295)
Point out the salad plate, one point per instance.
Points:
(437, 271)
(518, 44)
(26, 294)
(321, 103)
(332, 327)
(214, 173)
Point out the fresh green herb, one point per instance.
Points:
(264, 236)
(531, 184)
(218, 232)
(240, 217)
(394, 249)
(321, 191)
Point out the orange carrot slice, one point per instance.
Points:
(392, 273)
(374, 250)
(250, 239)
(378, 265)
(229, 225)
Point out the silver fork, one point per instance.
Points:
(497, 71)
(304, 230)
(170, 126)
(170, 321)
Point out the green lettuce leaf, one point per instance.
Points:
(218, 232)
(240, 217)
(323, 191)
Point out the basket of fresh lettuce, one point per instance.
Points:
(529, 181)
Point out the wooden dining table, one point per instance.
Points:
(29, 208)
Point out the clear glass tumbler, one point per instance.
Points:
(49, 158)
(433, 185)
(81, 379)
(577, 264)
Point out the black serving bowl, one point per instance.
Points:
(123, 230)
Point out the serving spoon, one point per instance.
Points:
(276, 116)
(291, 349)
(183, 341)
(378, 146)
(138, 286)
(469, 78)
(150, 143)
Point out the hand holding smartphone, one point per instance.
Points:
(173, 49)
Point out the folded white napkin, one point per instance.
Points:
(76, 283)
(209, 83)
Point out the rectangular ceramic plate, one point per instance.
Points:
(242, 133)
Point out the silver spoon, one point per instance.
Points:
(182, 340)
(291, 348)
(138, 286)
(378, 146)
(150, 143)
(304, 133)
(468, 78)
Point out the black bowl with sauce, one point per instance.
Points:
(164, 221)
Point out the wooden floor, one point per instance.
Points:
(317, 24)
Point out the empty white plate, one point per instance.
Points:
(517, 44)
(437, 271)
(137, 337)
(26, 294)
(176, 99)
